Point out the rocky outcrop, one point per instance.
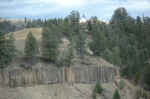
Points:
(93, 74)
(51, 74)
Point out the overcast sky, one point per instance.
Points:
(103, 9)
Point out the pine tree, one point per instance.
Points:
(116, 95)
(2, 50)
(119, 16)
(80, 42)
(98, 88)
(31, 46)
(50, 43)
(99, 40)
(146, 76)
(74, 19)
(11, 46)
(7, 50)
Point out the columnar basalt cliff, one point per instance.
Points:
(51, 75)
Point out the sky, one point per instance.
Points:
(103, 9)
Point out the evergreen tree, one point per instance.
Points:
(66, 57)
(31, 46)
(74, 19)
(116, 56)
(99, 40)
(108, 55)
(98, 88)
(80, 42)
(119, 16)
(70, 53)
(66, 28)
(124, 27)
(89, 25)
(50, 43)
(11, 46)
(7, 50)
(146, 77)
(116, 95)
(3, 54)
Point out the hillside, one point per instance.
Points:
(20, 36)
(64, 58)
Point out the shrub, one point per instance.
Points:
(116, 95)
(98, 88)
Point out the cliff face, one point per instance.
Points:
(52, 75)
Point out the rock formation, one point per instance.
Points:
(51, 75)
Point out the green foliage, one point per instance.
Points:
(3, 49)
(6, 27)
(128, 44)
(141, 93)
(50, 43)
(80, 43)
(94, 95)
(116, 95)
(113, 56)
(108, 55)
(74, 19)
(146, 76)
(124, 42)
(7, 50)
(11, 46)
(66, 57)
(119, 17)
(31, 46)
(99, 40)
(98, 88)
(137, 77)
(66, 28)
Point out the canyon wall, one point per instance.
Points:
(52, 75)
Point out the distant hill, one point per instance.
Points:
(14, 21)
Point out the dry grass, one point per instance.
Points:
(21, 35)
(53, 91)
